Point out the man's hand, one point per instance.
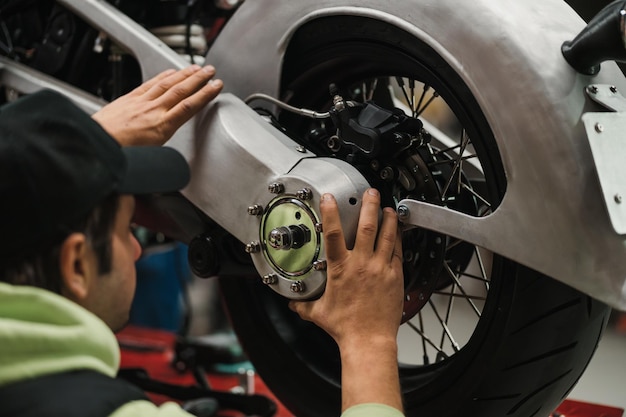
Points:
(361, 307)
(152, 112)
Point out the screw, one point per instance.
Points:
(319, 265)
(618, 198)
(301, 149)
(276, 188)
(304, 194)
(270, 279)
(319, 228)
(297, 286)
(386, 173)
(599, 128)
(334, 143)
(613, 89)
(408, 297)
(253, 247)
(255, 210)
(593, 89)
(403, 212)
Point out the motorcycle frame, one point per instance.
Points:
(553, 216)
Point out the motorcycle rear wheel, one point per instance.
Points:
(535, 336)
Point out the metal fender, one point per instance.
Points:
(553, 217)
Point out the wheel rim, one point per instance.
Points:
(433, 303)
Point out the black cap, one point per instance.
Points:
(57, 164)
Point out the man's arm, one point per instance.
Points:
(152, 112)
(361, 307)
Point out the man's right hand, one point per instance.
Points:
(361, 307)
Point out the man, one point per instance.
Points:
(67, 254)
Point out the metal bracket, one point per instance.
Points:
(607, 96)
(607, 140)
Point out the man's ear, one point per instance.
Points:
(74, 264)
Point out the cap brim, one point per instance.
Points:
(153, 169)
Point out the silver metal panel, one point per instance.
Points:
(607, 139)
(235, 155)
(553, 216)
(608, 96)
(24, 80)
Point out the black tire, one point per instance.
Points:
(535, 335)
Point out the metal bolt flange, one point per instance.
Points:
(256, 210)
(253, 247)
(304, 194)
(276, 188)
(320, 265)
(297, 286)
(403, 212)
(270, 279)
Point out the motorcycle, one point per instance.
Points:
(493, 129)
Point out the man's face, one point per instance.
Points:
(111, 295)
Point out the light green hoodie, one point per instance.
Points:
(43, 333)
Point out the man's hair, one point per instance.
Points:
(41, 268)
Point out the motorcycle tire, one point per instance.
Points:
(535, 335)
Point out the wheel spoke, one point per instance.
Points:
(457, 165)
(458, 283)
(456, 295)
(421, 100)
(426, 339)
(419, 111)
(448, 312)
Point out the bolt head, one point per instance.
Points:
(599, 128)
(253, 247)
(403, 212)
(297, 286)
(304, 194)
(276, 188)
(320, 265)
(270, 279)
(255, 210)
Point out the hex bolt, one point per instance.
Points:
(256, 210)
(320, 265)
(297, 286)
(403, 212)
(618, 198)
(613, 89)
(304, 194)
(599, 128)
(253, 247)
(270, 279)
(276, 188)
(386, 173)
